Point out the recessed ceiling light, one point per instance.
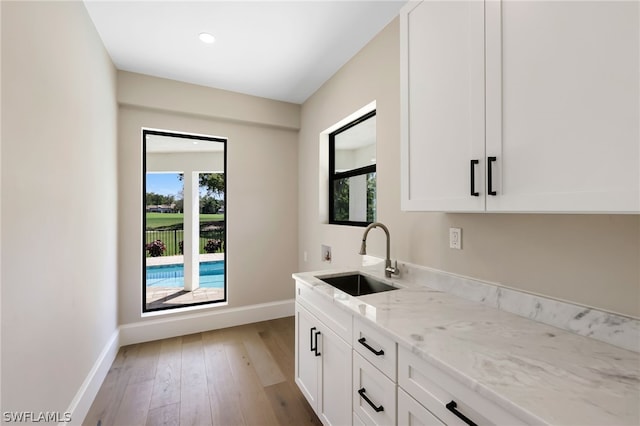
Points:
(207, 38)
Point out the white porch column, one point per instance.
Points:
(191, 232)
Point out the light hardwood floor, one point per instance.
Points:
(236, 376)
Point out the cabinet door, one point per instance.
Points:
(307, 363)
(411, 413)
(442, 105)
(335, 399)
(563, 105)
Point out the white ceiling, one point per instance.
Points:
(282, 50)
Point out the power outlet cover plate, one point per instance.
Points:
(455, 238)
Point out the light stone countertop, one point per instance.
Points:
(539, 373)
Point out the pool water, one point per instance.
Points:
(211, 275)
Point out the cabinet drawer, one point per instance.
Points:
(374, 394)
(410, 412)
(375, 347)
(435, 389)
(338, 320)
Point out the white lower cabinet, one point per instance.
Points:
(411, 413)
(323, 369)
(374, 394)
(449, 400)
(354, 373)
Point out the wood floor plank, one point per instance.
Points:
(216, 377)
(167, 415)
(287, 408)
(256, 408)
(146, 362)
(225, 403)
(282, 350)
(190, 338)
(107, 402)
(166, 387)
(195, 407)
(134, 408)
(266, 367)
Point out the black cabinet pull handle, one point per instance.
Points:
(311, 348)
(490, 190)
(315, 350)
(452, 407)
(362, 391)
(474, 193)
(363, 342)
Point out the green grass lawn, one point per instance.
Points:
(161, 220)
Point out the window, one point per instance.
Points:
(352, 172)
(184, 232)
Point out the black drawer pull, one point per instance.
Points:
(490, 190)
(452, 407)
(311, 348)
(363, 342)
(315, 350)
(362, 391)
(474, 193)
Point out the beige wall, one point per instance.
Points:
(261, 205)
(589, 259)
(59, 203)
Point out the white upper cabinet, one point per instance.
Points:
(557, 109)
(442, 77)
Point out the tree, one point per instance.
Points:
(371, 197)
(153, 199)
(209, 205)
(212, 182)
(341, 199)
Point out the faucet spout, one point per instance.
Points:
(388, 269)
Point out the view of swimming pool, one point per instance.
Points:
(211, 275)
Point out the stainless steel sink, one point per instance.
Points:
(357, 284)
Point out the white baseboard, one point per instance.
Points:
(155, 329)
(81, 403)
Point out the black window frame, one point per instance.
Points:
(145, 132)
(333, 176)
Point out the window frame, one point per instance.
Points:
(187, 306)
(333, 176)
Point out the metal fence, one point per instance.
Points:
(173, 238)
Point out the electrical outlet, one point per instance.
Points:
(304, 255)
(455, 238)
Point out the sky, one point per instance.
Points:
(164, 184)
(167, 184)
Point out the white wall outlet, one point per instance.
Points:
(304, 255)
(455, 238)
(326, 253)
